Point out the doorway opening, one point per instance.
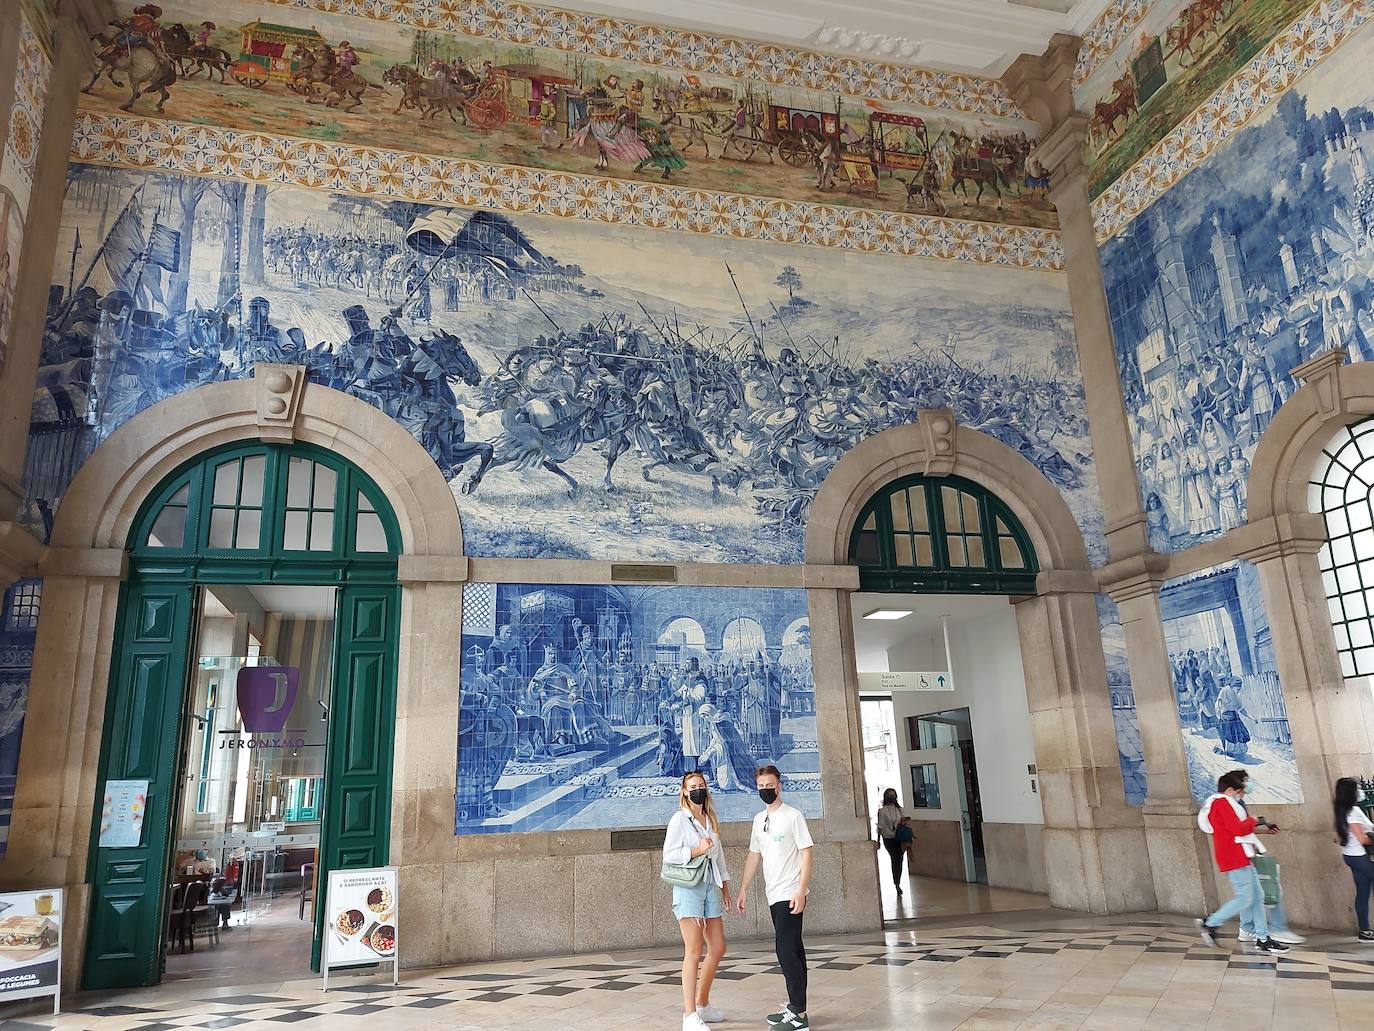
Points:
(247, 834)
(943, 698)
(250, 716)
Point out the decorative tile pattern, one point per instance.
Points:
(1296, 51)
(26, 115)
(682, 50)
(576, 697)
(135, 142)
(1112, 28)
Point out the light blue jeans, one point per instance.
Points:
(1247, 902)
(1277, 918)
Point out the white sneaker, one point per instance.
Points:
(709, 1014)
(693, 1022)
(1288, 937)
(1246, 938)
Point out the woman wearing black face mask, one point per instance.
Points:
(694, 831)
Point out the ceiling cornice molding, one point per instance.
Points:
(685, 50)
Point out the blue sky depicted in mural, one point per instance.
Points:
(1230, 702)
(590, 392)
(1130, 750)
(582, 706)
(1254, 263)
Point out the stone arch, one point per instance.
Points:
(104, 497)
(1334, 394)
(936, 445)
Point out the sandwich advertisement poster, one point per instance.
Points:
(30, 943)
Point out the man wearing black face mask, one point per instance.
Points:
(781, 843)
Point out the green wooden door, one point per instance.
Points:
(141, 742)
(356, 831)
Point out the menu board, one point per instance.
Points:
(121, 813)
(31, 944)
(361, 919)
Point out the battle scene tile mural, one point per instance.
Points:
(1256, 262)
(589, 391)
(1230, 702)
(263, 67)
(583, 706)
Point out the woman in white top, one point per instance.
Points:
(1353, 832)
(694, 831)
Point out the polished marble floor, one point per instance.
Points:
(1031, 969)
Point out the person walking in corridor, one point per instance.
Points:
(889, 821)
(692, 832)
(781, 843)
(1354, 833)
(1232, 829)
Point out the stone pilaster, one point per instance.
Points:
(1095, 859)
(1179, 858)
(1043, 87)
(72, 53)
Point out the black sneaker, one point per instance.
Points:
(791, 1022)
(1272, 947)
(1366, 938)
(1209, 934)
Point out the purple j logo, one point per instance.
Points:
(266, 695)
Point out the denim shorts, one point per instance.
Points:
(700, 903)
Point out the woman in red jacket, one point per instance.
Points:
(1233, 843)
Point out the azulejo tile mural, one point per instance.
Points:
(589, 392)
(1184, 51)
(1255, 263)
(1230, 702)
(1299, 48)
(477, 94)
(1112, 28)
(583, 706)
(1125, 720)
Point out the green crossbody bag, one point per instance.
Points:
(685, 875)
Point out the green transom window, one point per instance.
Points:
(294, 505)
(941, 534)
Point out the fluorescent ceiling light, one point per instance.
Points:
(887, 614)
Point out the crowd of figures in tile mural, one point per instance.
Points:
(1257, 261)
(600, 393)
(317, 75)
(1226, 685)
(583, 706)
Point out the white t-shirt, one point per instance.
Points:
(1352, 846)
(780, 847)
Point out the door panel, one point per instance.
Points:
(147, 684)
(356, 829)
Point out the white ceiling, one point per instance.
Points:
(281, 599)
(977, 37)
(874, 638)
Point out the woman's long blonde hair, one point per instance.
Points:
(707, 807)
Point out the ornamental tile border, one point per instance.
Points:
(1112, 27)
(26, 113)
(146, 143)
(1293, 53)
(683, 49)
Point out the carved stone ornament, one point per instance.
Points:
(279, 392)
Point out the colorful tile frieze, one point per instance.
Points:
(712, 123)
(1185, 51)
(1112, 27)
(1258, 84)
(202, 150)
(681, 50)
(26, 114)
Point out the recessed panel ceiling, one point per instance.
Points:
(976, 37)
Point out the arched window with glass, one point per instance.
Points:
(941, 534)
(1341, 491)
